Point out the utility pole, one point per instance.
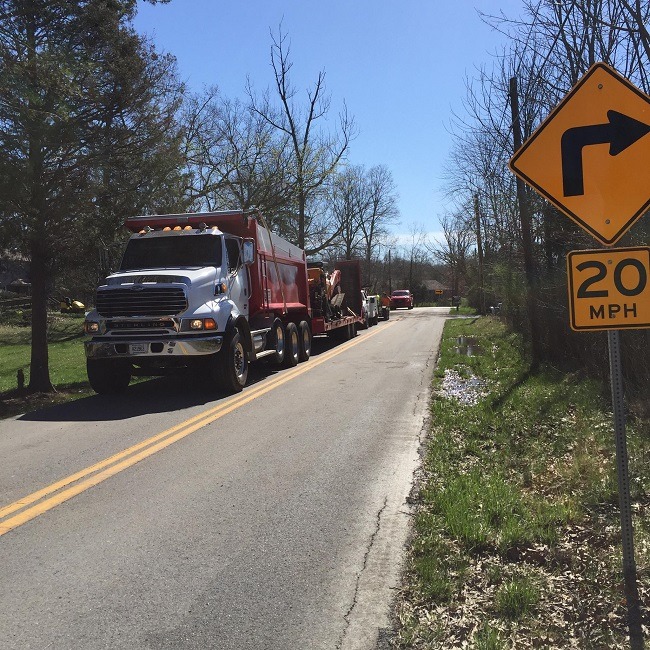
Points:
(390, 284)
(526, 233)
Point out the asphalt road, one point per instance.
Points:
(171, 518)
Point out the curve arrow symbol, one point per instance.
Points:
(620, 132)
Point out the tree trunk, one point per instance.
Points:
(526, 233)
(39, 374)
(301, 218)
(479, 251)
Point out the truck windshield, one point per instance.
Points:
(172, 252)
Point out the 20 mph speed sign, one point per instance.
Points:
(609, 289)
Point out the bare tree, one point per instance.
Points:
(235, 158)
(315, 153)
(454, 250)
(380, 211)
(348, 201)
(364, 204)
(415, 252)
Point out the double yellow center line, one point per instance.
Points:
(27, 508)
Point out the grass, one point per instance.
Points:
(66, 361)
(516, 598)
(517, 539)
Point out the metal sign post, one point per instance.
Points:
(627, 531)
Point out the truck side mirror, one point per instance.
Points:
(248, 252)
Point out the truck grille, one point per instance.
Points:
(160, 326)
(149, 301)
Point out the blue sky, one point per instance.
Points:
(399, 66)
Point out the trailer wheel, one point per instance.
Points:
(292, 353)
(278, 342)
(232, 363)
(305, 340)
(108, 376)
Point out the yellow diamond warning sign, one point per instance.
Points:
(609, 289)
(590, 157)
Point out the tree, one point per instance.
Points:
(454, 250)
(235, 158)
(415, 253)
(87, 133)
(347, 202)
(315, 154)
(380, 211)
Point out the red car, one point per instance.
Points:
(401, 298)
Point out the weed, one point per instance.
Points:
(487, 638)
(517, 597)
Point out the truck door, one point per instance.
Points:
(238, 288)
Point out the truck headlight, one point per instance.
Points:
(90, 327)
(203, 324)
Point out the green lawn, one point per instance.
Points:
(66, 352)
(67, 363)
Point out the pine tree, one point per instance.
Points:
(87, 137)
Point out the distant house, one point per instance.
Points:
(437, 291)
(20, 287)
(13, 271)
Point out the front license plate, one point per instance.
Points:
(137, 348)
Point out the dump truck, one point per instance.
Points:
(213, 292)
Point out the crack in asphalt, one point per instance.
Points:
(371, 542)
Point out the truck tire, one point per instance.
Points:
(292, 351)
(305, 340)
(277, 340)
(108, 376)
(232, 363)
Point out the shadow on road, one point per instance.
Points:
(157, 395)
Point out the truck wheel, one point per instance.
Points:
(292, 353)
(232, 363)
(108, 376)
(305, 341)
(277, 341)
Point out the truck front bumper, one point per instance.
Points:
(107, 348)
